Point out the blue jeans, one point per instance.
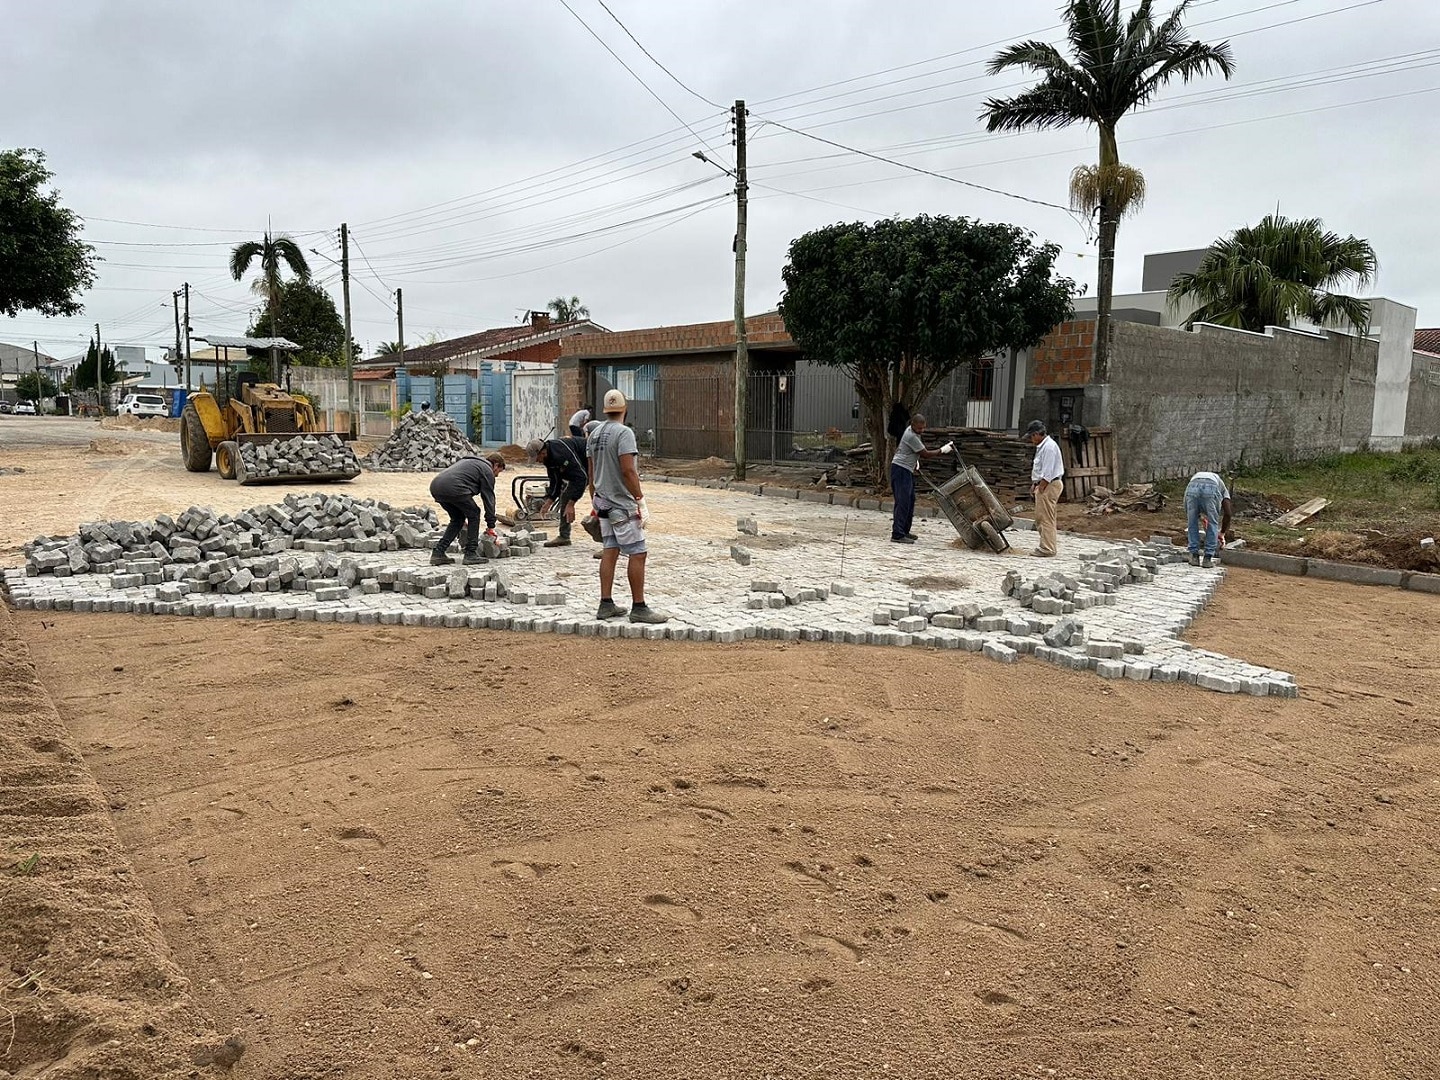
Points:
(902, 486)
(1203, 497)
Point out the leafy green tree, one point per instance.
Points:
(1277, 271)
(34, 385)
(273, 253)
(85, 375)
(44, 265)
(568, 310)
(307, 317)
(900, 304)
(1118, 64)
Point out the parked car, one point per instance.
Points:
(143, 405)
(6, 406)
(25, 408)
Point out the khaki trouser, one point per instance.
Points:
(1047, 504)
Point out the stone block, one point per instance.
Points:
(840, 588)
(740, 554)
(994, 650)
(748, 526)
(1355, 575)
(1105, 650)
(911, 624)
(1110, 669)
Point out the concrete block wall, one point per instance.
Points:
(1422, 410)
(1182, 401)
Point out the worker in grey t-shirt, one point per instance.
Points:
(619, 503)
(903, 467)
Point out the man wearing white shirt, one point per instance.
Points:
(1045, 484)
(578, 420)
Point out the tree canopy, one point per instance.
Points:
(568, 310)
(1278, 271)
(1117, 63)
(44, 265)
(307, 317)
(34, 385)
(85, 373)
(900, 304)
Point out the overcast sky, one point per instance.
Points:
(490, 154)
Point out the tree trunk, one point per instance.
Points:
(1105, 286)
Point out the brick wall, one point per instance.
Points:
(545, 352)
(761, 330)
(1065, 357)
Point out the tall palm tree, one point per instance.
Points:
(1118, 64)
(388, 348)
(1277, 271)
(273, 253)
(568, 310)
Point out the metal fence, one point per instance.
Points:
(806, 412)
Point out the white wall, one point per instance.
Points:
(1394, 325)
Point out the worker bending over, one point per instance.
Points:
(565, 467)
(455, 490)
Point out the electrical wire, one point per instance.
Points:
(673, 78)
(663, 103)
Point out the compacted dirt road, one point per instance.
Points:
(387, 852)
(393, 853)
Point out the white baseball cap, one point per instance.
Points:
(614, 401)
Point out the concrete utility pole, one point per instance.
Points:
(349, 359)
(742, 345)
(99, 370)
(400, 324)
(187, 337)
(177, 355)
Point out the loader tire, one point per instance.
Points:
(227, 459)
(194, 443)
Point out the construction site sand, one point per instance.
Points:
(397, 852)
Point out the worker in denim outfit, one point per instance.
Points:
(1206, 496)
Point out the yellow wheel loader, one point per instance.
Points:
(258, 412)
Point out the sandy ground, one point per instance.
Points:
(394, 852)
(403, 853)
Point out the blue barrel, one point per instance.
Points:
(177, 403)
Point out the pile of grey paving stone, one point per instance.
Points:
(422, 442)
(302, 455)
(1100, 575)
(310, 523)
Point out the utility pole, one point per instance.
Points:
(400, 324)
(177, 357)
(742, 345)
(345, 291)
(99, 370)
(39, 387)
(187, 337)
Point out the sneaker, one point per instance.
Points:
(1194, 559)
(1038, 554)
(472, 558)
(1207, 562)
(558, 541)
(644, 613)
(912, 536)
(438, 559)
(608, 610)
(902, 539)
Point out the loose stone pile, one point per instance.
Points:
(303, 455)
(780, 594)
(422, 442)
(314, 523)
(1100, 575)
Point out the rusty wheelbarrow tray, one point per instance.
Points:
(974, 510)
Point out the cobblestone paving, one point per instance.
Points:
(813, 573)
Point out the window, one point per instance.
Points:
(982, 379)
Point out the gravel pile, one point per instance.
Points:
(304, 455)
(312, 523)
(422, 442)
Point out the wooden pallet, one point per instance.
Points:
(1097, 465)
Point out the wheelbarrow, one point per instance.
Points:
(973, 509)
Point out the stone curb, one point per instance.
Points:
(1328, 570)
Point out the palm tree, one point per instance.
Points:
(1279, 270)
(1119, 63)
(273, 252)
(388, 348)
(568, 310)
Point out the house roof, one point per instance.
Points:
(489, 343)
(1428, 340)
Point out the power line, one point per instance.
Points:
(662, 67)
(371, 268)
(665, 105)
(924, 172)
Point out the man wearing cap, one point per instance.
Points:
(578, 420)
(620, 505)
(1046, 475)
(455, 490)
(564, 461)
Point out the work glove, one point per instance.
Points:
(490, 532)
(949, 446)
(642, 511)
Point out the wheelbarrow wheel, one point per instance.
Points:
(992, 537)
